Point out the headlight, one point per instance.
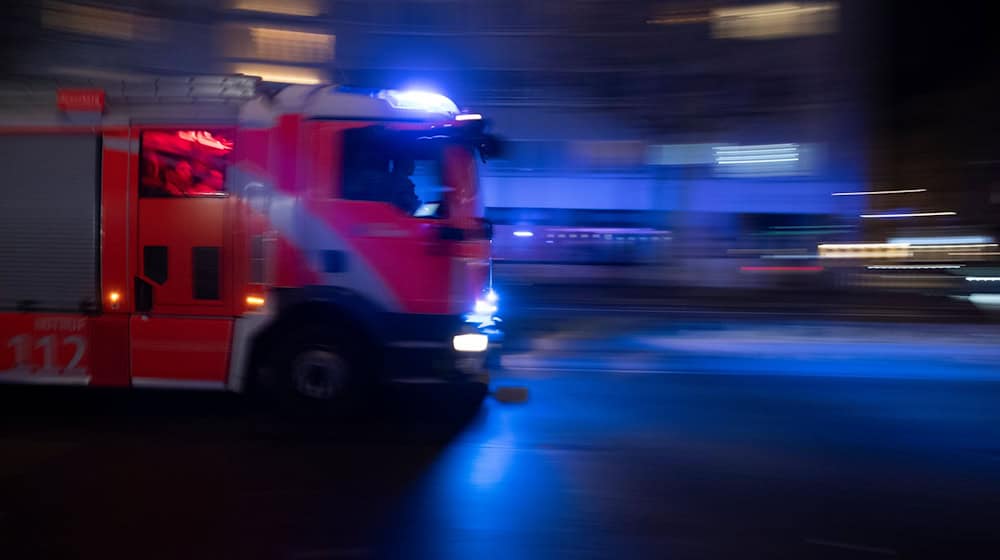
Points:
(472, 342)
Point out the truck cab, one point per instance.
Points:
(299, 241)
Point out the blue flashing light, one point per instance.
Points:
(484, 307)
(523, 233)
(416, 100)
(484, 312)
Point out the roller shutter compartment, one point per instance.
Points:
(49, 204)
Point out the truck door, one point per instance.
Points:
(183, 296)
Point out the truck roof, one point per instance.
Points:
(240, 98)
(339, 102)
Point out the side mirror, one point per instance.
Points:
(491, 147)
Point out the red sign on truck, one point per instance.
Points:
(80, 99)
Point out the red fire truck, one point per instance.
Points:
(224, 233)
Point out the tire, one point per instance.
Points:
(320, 371)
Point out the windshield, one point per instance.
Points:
(408, 170)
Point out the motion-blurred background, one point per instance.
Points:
(723, 144)
(695, 195)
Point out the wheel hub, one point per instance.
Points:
(319, 374)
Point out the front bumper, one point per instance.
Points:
(423, 353)
(433, 363)
(495, 349)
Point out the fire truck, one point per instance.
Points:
(219, 232)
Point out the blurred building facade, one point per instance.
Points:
(663, 132)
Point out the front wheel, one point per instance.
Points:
(320, 374)
(320, 371)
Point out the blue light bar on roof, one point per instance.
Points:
(415, 100)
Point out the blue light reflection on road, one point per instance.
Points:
(488, 495)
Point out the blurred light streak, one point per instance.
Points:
(468, 117)
(949, 246)
(524, 233)
(765, 153)
(866, 193)
(775, 20)
(941, 240)
(289, 45)
(910, 215)
(983, 278)
(916, 279)
(757, 149)
(284, 7)
(773, 160)
(863, 250)
(985, 299)
(99, 22)
(777, 8)
(862, 246)
(280, 74)
(914, 266)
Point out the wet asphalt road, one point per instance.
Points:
(626, 463)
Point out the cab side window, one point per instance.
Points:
(183, 163)
(387, 166)
(367, 165)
